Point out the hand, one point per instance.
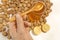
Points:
(18, 31)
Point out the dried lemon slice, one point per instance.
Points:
(45, 28)
(37, 30)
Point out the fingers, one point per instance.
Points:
(27, 24)
(24, 17)
(20, 23)
(12, 29)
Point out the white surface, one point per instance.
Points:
(53, 20)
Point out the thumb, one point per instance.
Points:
(20, 23)
(12, 29)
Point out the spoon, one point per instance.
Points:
(37, 7)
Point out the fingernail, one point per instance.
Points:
(17, 15)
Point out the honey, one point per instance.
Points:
(32, 16)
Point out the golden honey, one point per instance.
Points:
(32, 16)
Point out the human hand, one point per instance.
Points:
(19, 32)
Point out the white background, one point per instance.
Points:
(53, 20)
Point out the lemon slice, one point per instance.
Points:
(37, 30)
(45, 28)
